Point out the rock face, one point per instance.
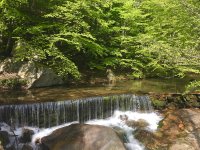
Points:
(38, 76)
(179, 130)
(191, 121)
(34, 75)
(82, 137)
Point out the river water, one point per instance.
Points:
(59, 93)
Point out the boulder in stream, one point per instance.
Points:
(82, 137)
(141, 123)
(26, 135)
(4, 138)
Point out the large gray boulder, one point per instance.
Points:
(38, 76)
(34, 75)
(82, 137)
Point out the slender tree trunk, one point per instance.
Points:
(8, 44)
(32, 4)
(1, 38)
(8, 49)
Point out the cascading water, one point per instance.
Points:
(50, 114)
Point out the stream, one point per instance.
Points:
(60, 93)
(44, 110)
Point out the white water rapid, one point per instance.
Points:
(115, 121)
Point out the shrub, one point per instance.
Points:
(193, 86)
(12, 83)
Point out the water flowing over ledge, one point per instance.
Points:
(50, 114)
(111, 111)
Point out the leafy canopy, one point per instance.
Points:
(143, 38)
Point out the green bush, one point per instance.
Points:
(13, 83)
(193, 86)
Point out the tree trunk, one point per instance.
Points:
(9, 46)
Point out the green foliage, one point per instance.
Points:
(193, 86)
(13, 83)
(145, 38)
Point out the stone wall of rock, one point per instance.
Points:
(29, 71)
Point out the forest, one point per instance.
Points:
(100, 74)
(144, 38)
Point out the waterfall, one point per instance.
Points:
(50, 114)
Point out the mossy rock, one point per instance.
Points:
(158, 104)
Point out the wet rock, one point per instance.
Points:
(84, 137)
(149, 139)
(11, 147)
(26, 135)
(4, 138)
(123, 117)
(27, 147)
(121, 133)
(141, 123)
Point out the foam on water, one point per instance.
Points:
(151, 118)
(47, 131)
(132, 144)
(114, 121)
